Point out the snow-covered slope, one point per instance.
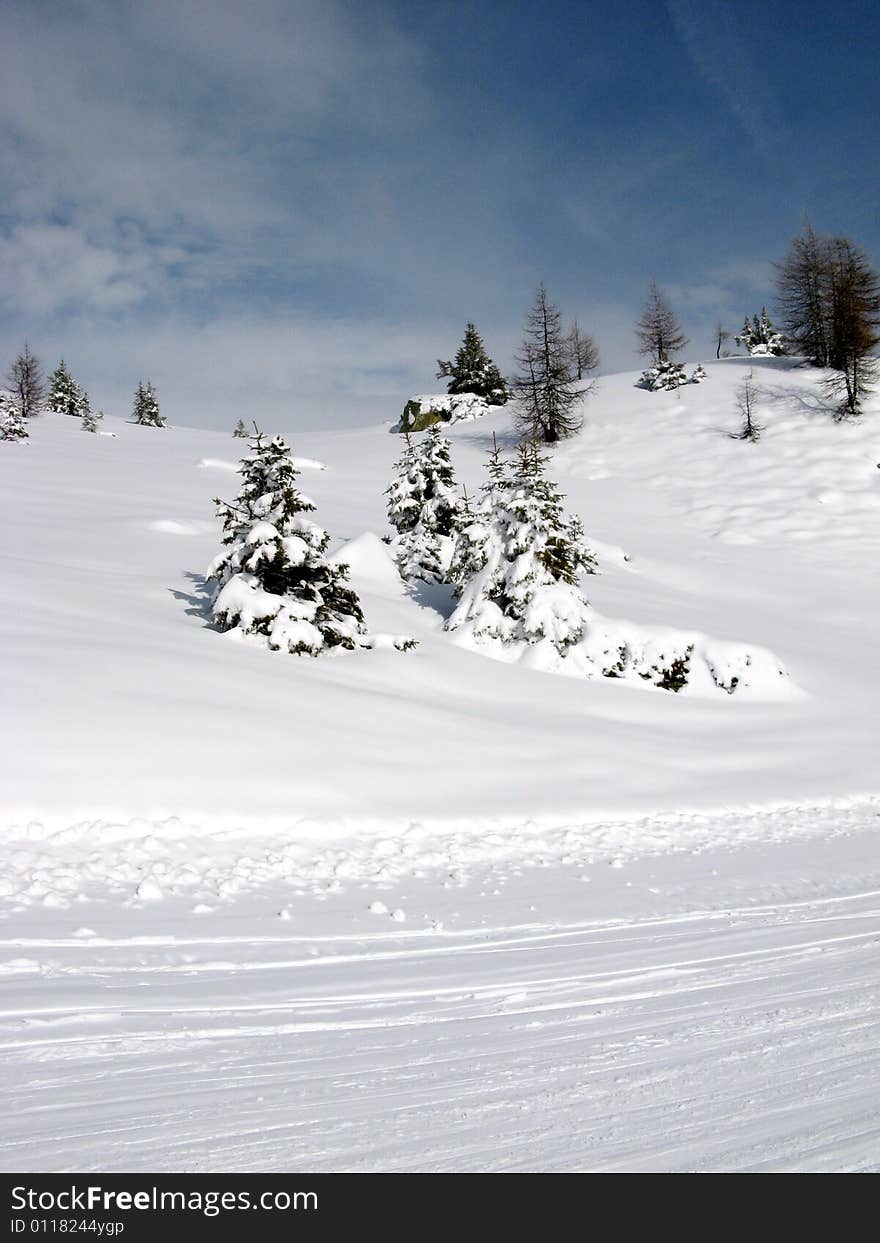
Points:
(121, 701)
(431, 910)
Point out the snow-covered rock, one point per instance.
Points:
(427, 409)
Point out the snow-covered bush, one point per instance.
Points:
(699, 374)
(273, 576)
(760, 337)
(423, 508)
(664, 375)
(674, 660)
(518, 561)
(13, 425)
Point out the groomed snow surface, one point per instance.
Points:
(432, 910)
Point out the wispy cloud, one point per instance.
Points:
(711, 33)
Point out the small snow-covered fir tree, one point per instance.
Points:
(64, 392)
(423, 508)
(273, 576)
(90, 417)
(527, 589)
(472, 371)
(146, 406)
(13, 425)
(699, 374)
(240, 431)
(404, 502)
(476, 524)
(760, 337)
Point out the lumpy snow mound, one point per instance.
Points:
(371, 562)
(123, 699)
(671, 660)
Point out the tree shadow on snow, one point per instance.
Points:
(437, 597)
(508, 439)
(803, 401)
(199, 600)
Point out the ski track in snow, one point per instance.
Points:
(716, 1006)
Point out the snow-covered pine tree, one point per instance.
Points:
(434, 460)
(472, 371)
(90, 417)
(146, 406)
(273, 576)
(240, 432)
(423, 508)
(13, 425)
(745, 335)
(404, 503)
(699, 374)
(64, 394)
(760, 337)
(477, 524)
(527, 588)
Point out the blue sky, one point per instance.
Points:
(292, 208)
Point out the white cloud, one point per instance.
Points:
(48, 268)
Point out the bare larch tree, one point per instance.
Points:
(802, 296)
(25, 378)
(745, 403)
(722, 336)
(854, 314)
(829, 296)
(584, 351)
(658, 331)
(546, 397)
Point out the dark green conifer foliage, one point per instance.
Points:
(473, 371)
(64, 393)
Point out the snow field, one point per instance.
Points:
(713, 1008)
(115, 659)
(436, 910)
